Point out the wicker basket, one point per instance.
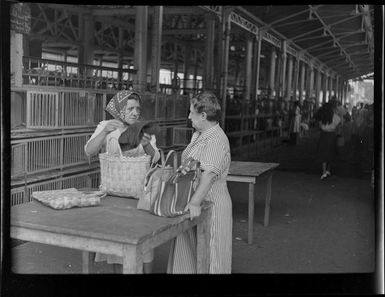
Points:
(123, 175)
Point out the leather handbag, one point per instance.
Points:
(157, 174)
(174, 194)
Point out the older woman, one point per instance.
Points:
(210, 145)
(125, 108)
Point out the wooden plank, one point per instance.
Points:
(267, 201)
(256, 169)
(121, 221)
(203, 242)
(251, 214)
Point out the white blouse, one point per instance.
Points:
(112, 142)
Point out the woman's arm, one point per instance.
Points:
(94, 144)
(205, 183)
(149, 145)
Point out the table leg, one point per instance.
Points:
(203, 243)
(267, 201)
(251, 213)
(132, 260)
(87, 261)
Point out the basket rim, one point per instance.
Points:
(111, 156)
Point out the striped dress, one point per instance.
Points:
(212, 149)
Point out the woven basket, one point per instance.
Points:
(123, 175)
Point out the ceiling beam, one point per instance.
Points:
(113, 11)
(286, 17)
(295, 22)
(184, 31)
(317, 45)
(310, 38)
(74, 8)
(115, 22)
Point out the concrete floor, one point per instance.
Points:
(315, 226)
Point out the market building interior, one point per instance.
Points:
(67, 62)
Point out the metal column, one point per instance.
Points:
(140, 60)
(209, 52)
(318, 88)
(302, 82)
(226, 27)
(249, 56)
(273, 56)
(289, 77)
(257, 65)
(310, 84)
(156, 36)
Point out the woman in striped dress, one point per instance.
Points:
(210, 145)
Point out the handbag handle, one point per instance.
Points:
(163, 159)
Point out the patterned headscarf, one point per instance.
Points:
(118, 103)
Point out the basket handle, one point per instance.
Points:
(119, 149)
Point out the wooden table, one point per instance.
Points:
(248, 172)
(114, 227)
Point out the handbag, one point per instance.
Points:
(175, 193)
(123, 175)
(157, 174)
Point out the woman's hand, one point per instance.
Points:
(145, 139)
(195, 210)
(112, 125)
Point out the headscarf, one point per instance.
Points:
(117, 104)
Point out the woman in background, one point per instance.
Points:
(329, 122)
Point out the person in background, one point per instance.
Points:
(328, 122)
(295, 123)
(210, 146)
(125, 107)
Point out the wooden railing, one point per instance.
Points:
(42, 154)
(44, 72)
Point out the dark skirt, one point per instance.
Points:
(326, 146)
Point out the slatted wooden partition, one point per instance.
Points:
(64, 109)
(36, 155)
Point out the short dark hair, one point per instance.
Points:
(207, 102)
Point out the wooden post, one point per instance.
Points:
(226, 27)
(157, 21)
(209, 53)
(140, 48)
